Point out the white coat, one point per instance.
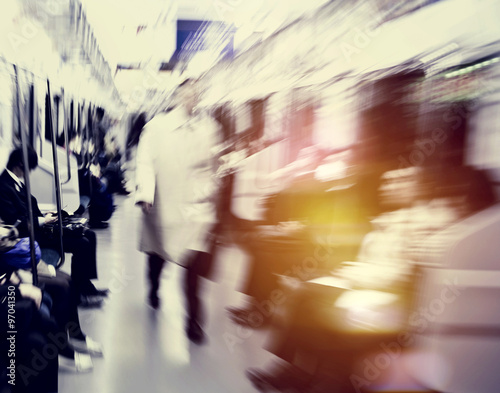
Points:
(176, 174)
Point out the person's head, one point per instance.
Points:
(16, 162)
(100, 114)
(141, 119)
(400, 188)
(139, 123)
(187, 95)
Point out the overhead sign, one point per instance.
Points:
(194, 37)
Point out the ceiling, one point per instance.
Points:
(110, 17)
(141, 34)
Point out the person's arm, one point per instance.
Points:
(36, 210)
(19, 290)
(215, 140)
(49, 218)
(40, 218)
(29, 291)
(381, 267)
(10, 212)
(145, 173)
(26, 308)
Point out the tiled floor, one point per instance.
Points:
(147, 351)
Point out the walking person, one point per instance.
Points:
(176, 190)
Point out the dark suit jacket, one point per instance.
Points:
(14, 205)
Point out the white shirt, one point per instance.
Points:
(19, 183)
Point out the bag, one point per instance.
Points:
(19, 256)
(73, 230)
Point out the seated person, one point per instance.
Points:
(74, 346)
(31, 339)
(61, 304)
(308, 211)
(112, 170)
(95, 197)
(14, 206)
(322, 329)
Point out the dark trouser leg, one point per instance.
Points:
(65, 303)
(200, 263)
(83, 261)
(42, 380)
(311, 326)
(155, 267)
(260, 281)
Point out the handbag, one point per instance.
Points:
(71, 229)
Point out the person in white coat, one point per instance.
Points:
(176, 189)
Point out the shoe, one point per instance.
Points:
(79, 211)
(262, 381)
(330, 384)
(246, 317)
(123, 191)
(88, 346)
(94, 292)
(154, 302)
(101, 292)
(235, 310)
(283, 379)
(195, 333)
(90, 301)
(81, 363)
(239, 311)
(240, 316)
(98, 224)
